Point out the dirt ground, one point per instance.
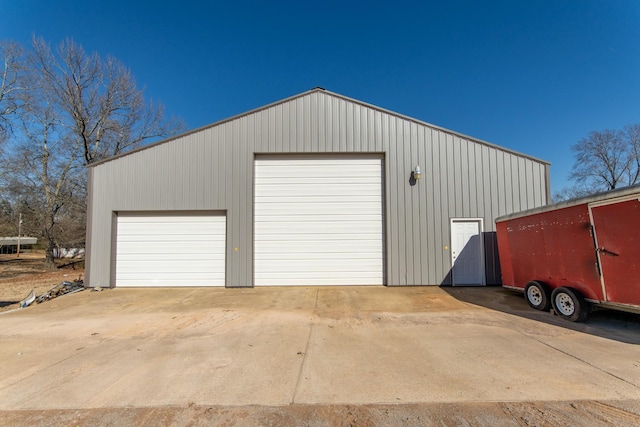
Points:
(485, 414)
(19, 275)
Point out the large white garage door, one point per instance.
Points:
(170, 250)
(318, 221)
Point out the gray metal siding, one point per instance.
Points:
(212, 169)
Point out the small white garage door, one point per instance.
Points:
(170, 250)
(318, 221)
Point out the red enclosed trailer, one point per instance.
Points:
(576, 254)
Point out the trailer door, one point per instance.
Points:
(617, 237)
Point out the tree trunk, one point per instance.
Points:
(49, 263)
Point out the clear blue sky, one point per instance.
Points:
(532, 76)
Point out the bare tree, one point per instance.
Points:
(631, 135)
(46, 164)
(11, 57)
(572, 192)
(11, 65)
(8, 222)
(607, 159)
(106, 112)
(77, 109)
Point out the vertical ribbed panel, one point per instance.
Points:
(212, 169)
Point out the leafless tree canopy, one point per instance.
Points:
(572, 192)
(608, 159)
(103, 107)
(62, 110)
(11, 57)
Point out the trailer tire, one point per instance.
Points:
(569, 304)
(537, 296)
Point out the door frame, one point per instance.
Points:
(483, 273)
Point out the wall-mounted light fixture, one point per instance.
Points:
(417, 173)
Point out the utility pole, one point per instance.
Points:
(19, 232)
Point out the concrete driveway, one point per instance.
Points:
(306, 346)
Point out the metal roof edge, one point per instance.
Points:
(337, 95)
(596, 197)
(211, 125)
(440, 128)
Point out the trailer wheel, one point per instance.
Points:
(537, 296)
(569, 304)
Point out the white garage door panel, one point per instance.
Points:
(164, 267)
(344, 279)
(326, 265)
(169, 282)
(272, 229)
(280, 254)
(335, 189)
(318, 217)
(339, 239)
(327, 168)
(375, 198)
(158, 250)
(158, 255)
(310, 208)
(318, 222)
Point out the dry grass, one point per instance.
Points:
(19, 275)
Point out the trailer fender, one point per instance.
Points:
(585, 291)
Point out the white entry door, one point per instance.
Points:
(466, 252)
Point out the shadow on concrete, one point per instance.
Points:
(7, 303)
(611, 324)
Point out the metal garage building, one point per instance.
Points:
(316, 189)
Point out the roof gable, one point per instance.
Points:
(328, 94)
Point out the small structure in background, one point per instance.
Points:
(9, 245)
